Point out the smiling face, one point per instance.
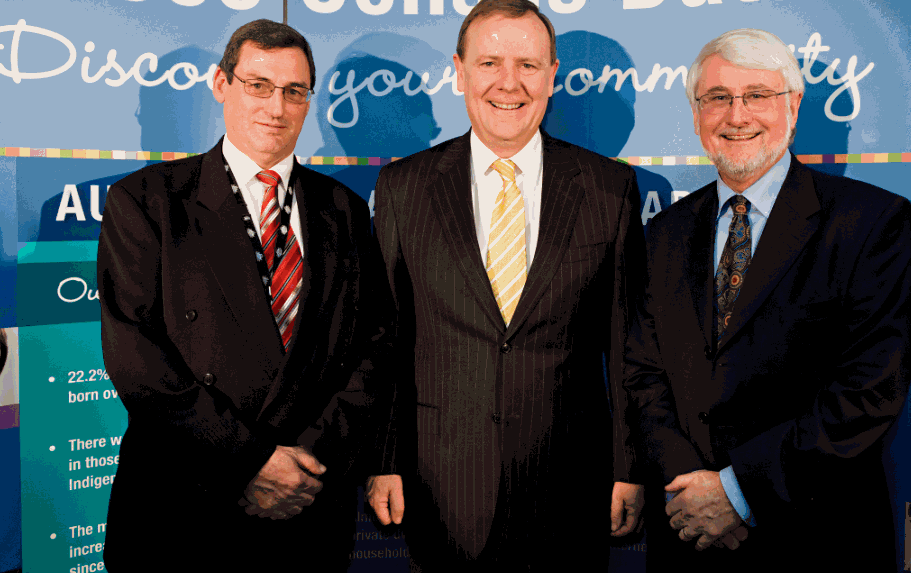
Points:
(507, 77)
(264, 129)
(741, 143)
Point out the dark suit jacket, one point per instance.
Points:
(191, 345)
(507, 431)
(809, 376)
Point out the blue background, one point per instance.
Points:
(67, 110)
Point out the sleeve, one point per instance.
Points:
(735, 495)
(356, 418)
(663, 448)
(179, 420)
(395, 437)
(869, 380)
(629, 278)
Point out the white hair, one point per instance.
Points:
(749, 48)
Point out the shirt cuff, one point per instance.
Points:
(732, 490)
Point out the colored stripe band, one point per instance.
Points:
(671, 160)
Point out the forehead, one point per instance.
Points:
(718, 73)
(500, 35)
(279, 65)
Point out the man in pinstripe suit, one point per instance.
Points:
(514, 259)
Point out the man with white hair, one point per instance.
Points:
(766, 373)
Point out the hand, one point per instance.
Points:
(628, 499)
(385, 494)
(283, 486)
(733, 539)
(701, 509)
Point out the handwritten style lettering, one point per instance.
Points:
(191, 75)
(578, 82)
(86, 292)
(848, 81)
(18, 75)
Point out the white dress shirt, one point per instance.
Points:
(486, 184)
(253, 190)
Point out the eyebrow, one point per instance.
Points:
(500, 59)
(291, 85)
(749, 88)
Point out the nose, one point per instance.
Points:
(739, 113)
(275, 104)
(509, 78)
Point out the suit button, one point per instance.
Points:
(496, 417)
(191, 315)
(208, 379)
(703, 417)
(505, 348)
(708, 352)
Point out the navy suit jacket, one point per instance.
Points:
(811, 373)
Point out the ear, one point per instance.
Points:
(219, 85)
(795, 107)
(695, 109)
(460, 72)
(553, 77)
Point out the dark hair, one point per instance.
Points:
(510, 9)
(265, 35)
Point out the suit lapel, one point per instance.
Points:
(451, 197)
(231, 258)
(561, 197)
(789, 228)
(697, 258)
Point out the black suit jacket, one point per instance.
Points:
(191, 345)
(809, 376)
(505, 433)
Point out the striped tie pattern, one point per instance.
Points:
(506, 260)
(285, 263)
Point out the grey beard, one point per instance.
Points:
(742, 169)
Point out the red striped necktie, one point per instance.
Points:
(285, 263)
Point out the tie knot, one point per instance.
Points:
(268, 177)
(506, 169)
(740, 205)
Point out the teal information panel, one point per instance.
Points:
(72, 418)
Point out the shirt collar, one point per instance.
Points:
(245, 169)
(528, 160)
(762, 193)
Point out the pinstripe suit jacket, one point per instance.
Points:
(503, 432)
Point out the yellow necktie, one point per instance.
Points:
(506, 248)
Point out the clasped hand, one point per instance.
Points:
(284, 485)
(701, 510)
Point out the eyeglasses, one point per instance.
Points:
(264, 89)
(758, 101)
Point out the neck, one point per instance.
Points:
(740, 182)
(506, 149)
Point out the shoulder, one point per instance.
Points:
(843, 196)
(160, 182)
(586, 159)
(680, 215)
(425, 162)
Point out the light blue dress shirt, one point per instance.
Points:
(762, 196)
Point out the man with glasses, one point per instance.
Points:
(229, 285)
(771, 355)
